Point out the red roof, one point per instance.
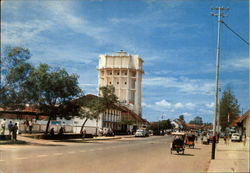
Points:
(244, 116)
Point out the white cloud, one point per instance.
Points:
(210, 105)
(163, 103)
(178, 105)
(18, 33)
(146, 105)
(238, 64)
(191, 86)
(190, 105)
(186, 114)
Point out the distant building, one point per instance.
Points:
(124, 72)
(242, 124)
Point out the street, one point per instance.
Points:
(131, 155)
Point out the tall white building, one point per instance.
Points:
(124, 72)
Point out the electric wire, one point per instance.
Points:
(235, 32)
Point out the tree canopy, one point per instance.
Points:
(181, 117)
(93, 106)
(14, 70)
(160, 125)
(197, 120)
(50, 90)
(229, 108)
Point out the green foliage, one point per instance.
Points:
(229, 108)
(197, 120)
(14, 70)
(108, 97)
(96, 105)
(181, 117)
(160, 125)
(52, 91)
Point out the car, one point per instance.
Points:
(236, 137)
(141, 133)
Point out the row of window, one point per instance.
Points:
(112, 115)
(133, 74)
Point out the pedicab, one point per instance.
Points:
(190, 138)
(178, 144)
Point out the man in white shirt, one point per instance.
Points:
(3, 122)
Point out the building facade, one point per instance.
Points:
(124, 72)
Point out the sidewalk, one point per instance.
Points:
(36, 141)
(233, 157)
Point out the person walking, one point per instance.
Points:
(52, 132)
(14, 131)
(3, 126)
(30, 126)
(25, 124)
(10, 125)
(83, 133)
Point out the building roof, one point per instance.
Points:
(244, 116)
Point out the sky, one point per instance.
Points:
(175, 38)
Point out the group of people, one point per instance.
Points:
(28, 125)
(106, 132)
(52, 131)
(12, 128)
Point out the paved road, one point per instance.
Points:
(135, 155)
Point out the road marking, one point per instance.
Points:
(71, 152)
(42, 155)
(82, 151)
(21, 158)
(58, 154)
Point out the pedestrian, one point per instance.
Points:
(52, 132)
(3, 126)
(14, 131)
(61, 131)
(101, 132)
(83, 133)
(225, 139)
(10, 125)
(30, 126)
(25, 124)
(244, 138)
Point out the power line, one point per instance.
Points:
(235, 33)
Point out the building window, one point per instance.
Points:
(125, 83)
(117, 83)
(110, 83)
(110, 73)
(118, 73)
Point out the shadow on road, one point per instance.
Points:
(195, 148)
(183, 154)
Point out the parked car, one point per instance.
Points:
(236, 137)
(141, 133)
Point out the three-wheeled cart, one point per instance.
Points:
(178, 144)
(190, 138)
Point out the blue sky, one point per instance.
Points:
(175, 38)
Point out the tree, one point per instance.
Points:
(197, 120)
(229, 108)
(181, 117)
(92, 107)
(14, 69)
(52, 91)
(160, 125)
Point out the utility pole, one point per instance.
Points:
(219, 15)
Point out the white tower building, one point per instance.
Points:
(124, 72)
